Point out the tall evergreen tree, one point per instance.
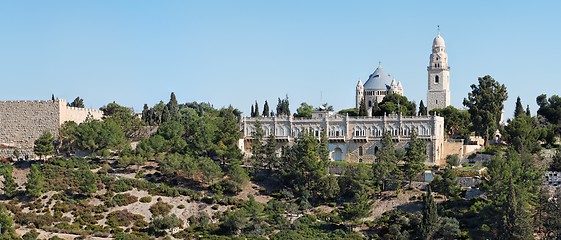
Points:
(515, 218)
(34, 186)
(252, 111)
(146, 113)
(362, 110)
(257, 150)
(485, 105)
(422, 109)
(415, 156)
(266, 109)
(430, 221)
(257, 109)
(528, 110)
(385, 166)
(376, 111)
(173, 108)
(10, 184)
(518, 110)
(283, 108)
(270, 160)
(7, 230)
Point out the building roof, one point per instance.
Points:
(438, 41)
(378, 80)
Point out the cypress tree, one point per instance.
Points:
(362, 109)
(252, 111)
(173, 107)
(256, 109)
(376, 111)
(528, 111)
(422, 109)
(519, 110)
(266, 109)
(429, 222)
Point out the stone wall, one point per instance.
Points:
(77, 115)
(22, 122)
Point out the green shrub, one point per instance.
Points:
(124, 199)
(146, 199)
(160, 208)
(122, 218)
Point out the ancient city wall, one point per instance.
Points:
(78, 115)
(22, 122)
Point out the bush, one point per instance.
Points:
(124, 199)
(160, 209)
(146, 199)
(122, 218)
(31, 235)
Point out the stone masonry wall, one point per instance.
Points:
(22, 122)
(78, 115)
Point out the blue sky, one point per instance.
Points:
(236, 52)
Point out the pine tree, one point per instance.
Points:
(266, 109)
(10, 184)
(448, 184)
(528, 111)
(362, 111)
(519, 110)
(385, 166)
(422, 109)
(270, 160)
(7, 230)
(252, 111)
(430, 221)
(415, 156)
(43, 146)
(34, 185)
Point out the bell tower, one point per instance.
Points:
(438, 95)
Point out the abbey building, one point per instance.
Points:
(358, 139)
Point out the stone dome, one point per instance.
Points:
(438, 41)
(378, 80)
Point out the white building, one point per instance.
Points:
(357, 139)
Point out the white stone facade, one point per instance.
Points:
(352, 139)
(22, 122)
(438, 95)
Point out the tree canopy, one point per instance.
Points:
(485, 105)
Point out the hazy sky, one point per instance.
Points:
(236, 52)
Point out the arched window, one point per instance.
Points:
(436, 79)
